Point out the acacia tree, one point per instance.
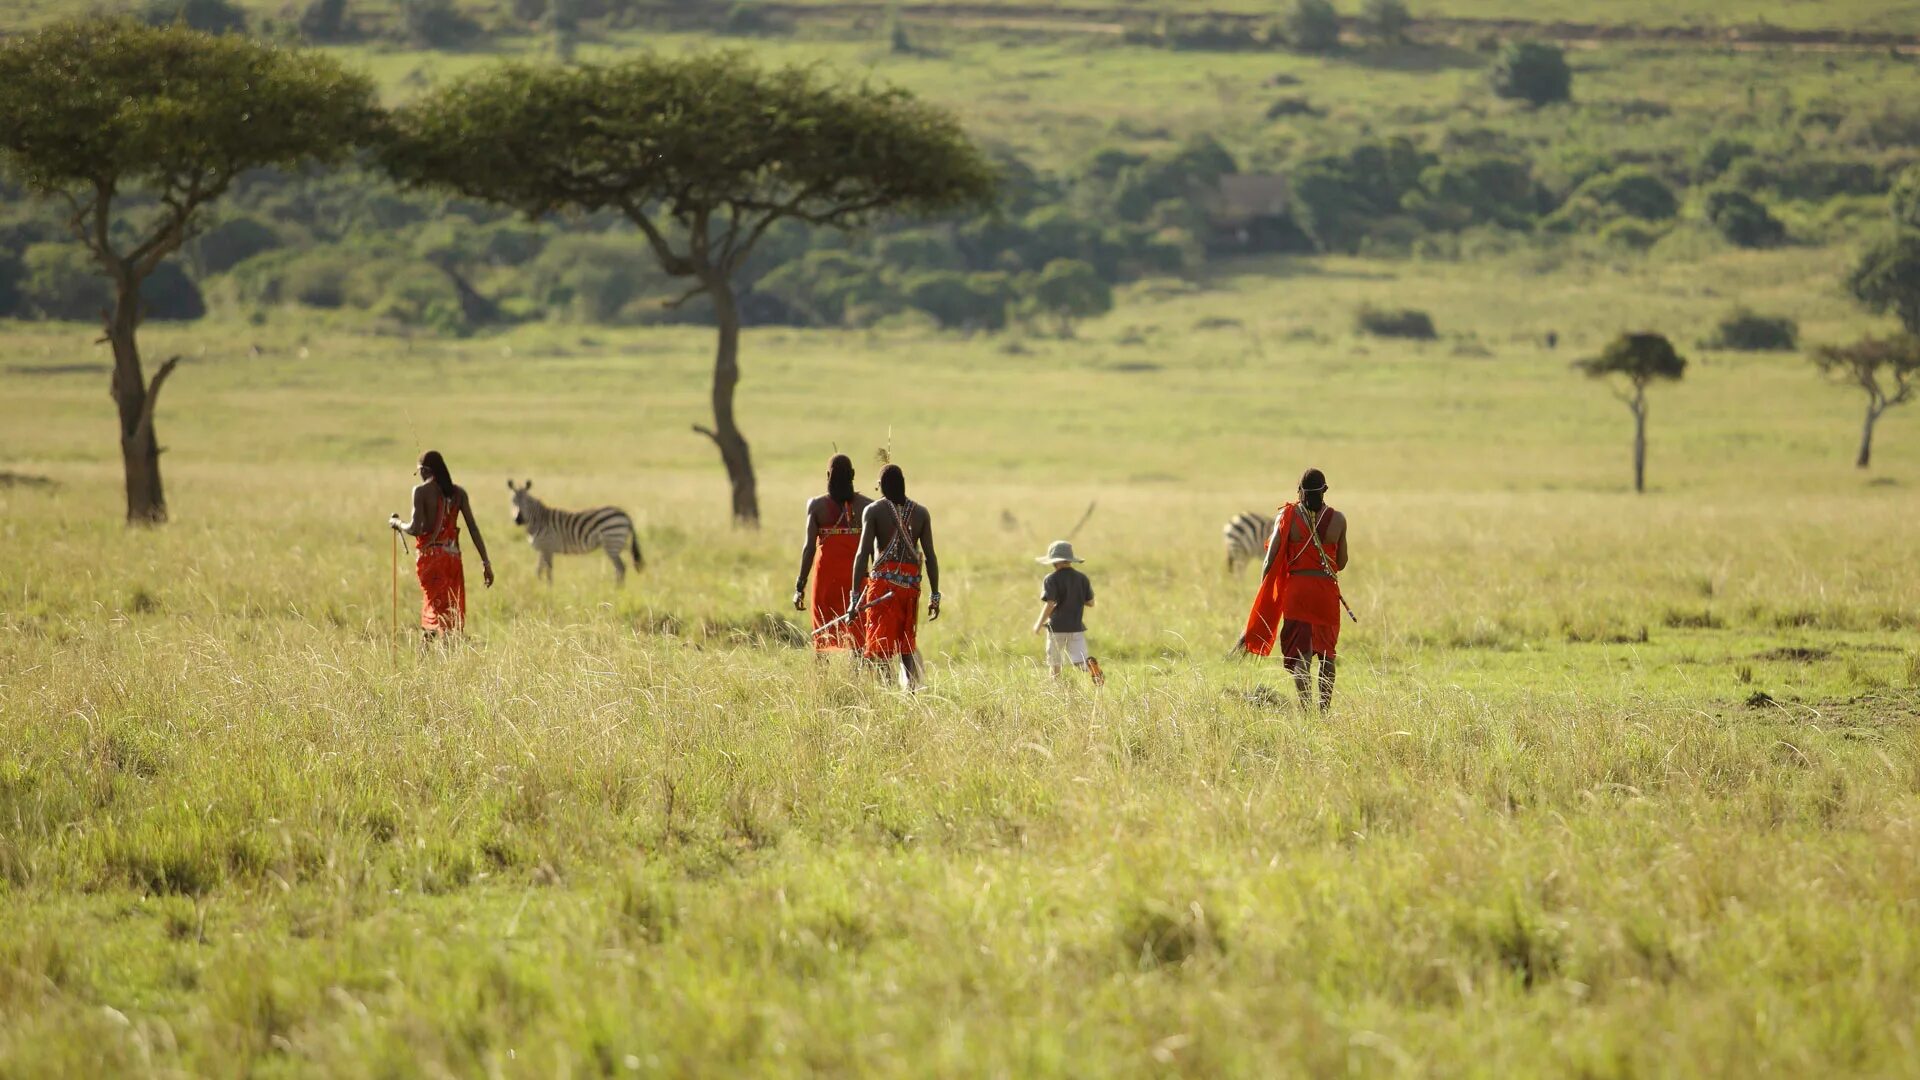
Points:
(138, 129)
(703, 153)
(1637, 361)
(1887, 369)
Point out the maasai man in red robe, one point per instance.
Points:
(1299, 599)
(438, 506)
(895, 534)
(833, 539)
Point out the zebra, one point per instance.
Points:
(574, 532)
(1246, 536)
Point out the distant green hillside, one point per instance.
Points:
(1876, 16)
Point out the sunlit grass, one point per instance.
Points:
(1615, 784)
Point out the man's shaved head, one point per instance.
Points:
(893, 484)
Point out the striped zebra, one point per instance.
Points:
(574, 532)
(1246, 536)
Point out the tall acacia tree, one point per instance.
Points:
(1638, 361)
(703, 153)
(138, 129)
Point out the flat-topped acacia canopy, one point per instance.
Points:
(93, 109)
(703, 153)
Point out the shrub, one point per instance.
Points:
(1744, 331)
(1069, 290)
(233, 242)
(1904, 199)
(62, 282)
(747, 19)
(1743, 220)
(437, 24)
(1396, 323)
(1387, 20)
(208, 16)
(1634, 191)
(960, 301)
(1313, 26)
(1629, 232)
(324, 20)
(1718, 156)
(1532, 72)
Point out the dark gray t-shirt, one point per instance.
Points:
(1070, 592)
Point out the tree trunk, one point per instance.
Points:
(1866, 439)
(725, 434)
(1640, 446)
(139, 447)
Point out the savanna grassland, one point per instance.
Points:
(1551, 826)
(1614, 785)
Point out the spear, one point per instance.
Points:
(852, 611)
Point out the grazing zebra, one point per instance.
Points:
(1246, 537)
(574, 532)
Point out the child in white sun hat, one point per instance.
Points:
(1066, 594)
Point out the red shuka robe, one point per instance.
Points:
(1287, 595)
(443, 581)
(832, 580)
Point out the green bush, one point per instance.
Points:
(1475, 189)
(324, 21)
(207, 16)
(593, 279)
(437, 24)
(233, 242)
(1313, 26)
(1395, 323)
(1387, 20)
(1633, 191)
(12, 274)
(1631, 233)
(1904, 199)
(960, 301)
(918, 249)
(1532, 72)
(425, 300)
(1068, 290)
(1743, 220)
(63, 282)
(1744, 331)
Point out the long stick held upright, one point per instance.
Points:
(394, 636)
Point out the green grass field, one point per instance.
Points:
(245, 831)
(1892, 16)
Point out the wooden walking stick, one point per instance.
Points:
(394, 636)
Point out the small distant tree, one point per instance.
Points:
(1632, 363)
(1387, 20)
(703, 154)
(1313, 26)
(1887, 369)
(1068, 290)
(96, 110)
(1532, 72)
(1887, 278)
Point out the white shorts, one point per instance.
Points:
(1064, 649)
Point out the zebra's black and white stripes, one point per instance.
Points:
(553, 532)
(1246, 536)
